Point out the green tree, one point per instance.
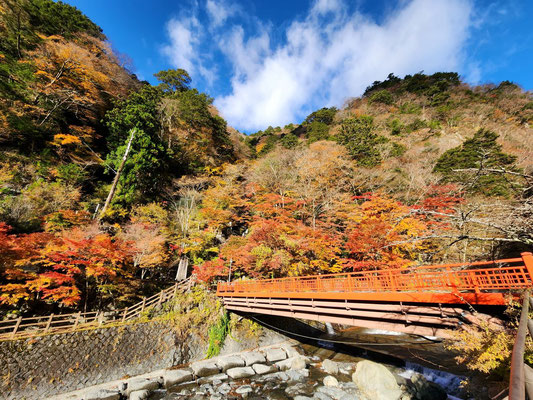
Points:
(357, 135)
(316, 131)
(289, 141)
(145, 169)
(174, 80)
(58, 18)
(476, 162)
(324, 115)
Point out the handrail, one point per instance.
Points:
(58, 323)
(504, 275)
(517, 388)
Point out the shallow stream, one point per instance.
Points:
(404, 355)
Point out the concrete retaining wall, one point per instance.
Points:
(40, 367)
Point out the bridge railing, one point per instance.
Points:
(507, 274)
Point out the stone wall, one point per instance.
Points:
(40, 367)
(46, 365)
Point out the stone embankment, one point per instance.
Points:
(275, 372)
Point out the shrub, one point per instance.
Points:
(289, 141)
(397, 149)
(416, 125)
(434, 125)
(410, 108)
(25, 212)
(317, 131)
(267, 145)
(383, 96)
(217, 335)
(528, 106)
(71, 174)
(396, 126)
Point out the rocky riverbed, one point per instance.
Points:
(279, 372)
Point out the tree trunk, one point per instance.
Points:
(117, 176)
(183, 267)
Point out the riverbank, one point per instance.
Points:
(286, 370)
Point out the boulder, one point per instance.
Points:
(172, 377)
(349, 396)
(422, 389)
(240, 372)
(376, 381)
(204, 368)
(278, 376)
(225, 363)
(224, 388)
(297, 389)
(273, 355)
(330, 367)
(245, 389)
(139, 395)
(298, 375)
(214, 379)
(299, 363)
(331, 381)
(291, 351)
(321, 396)
(261, 369)
(135, 384)
(102, 394)
(253, 357)
(333, 392)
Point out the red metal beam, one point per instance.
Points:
(390, 326)
(451, 322)
(414, 297)
(347, 305)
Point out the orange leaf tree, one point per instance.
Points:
(82, 267)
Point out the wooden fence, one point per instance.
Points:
(59, 323)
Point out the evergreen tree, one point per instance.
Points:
(474, 162)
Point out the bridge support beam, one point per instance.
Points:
(428, 321)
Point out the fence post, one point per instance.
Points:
(48, 323)
(124, 315)
(144, 303)
(175, 290)
(15, 329)
(160, 301)
(78, 315)
(528, 262)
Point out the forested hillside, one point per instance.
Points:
(420, 169)
(67, 107)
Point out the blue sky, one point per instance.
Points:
(273, 62)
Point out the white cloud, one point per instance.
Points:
(325, 6)
(184, 39)
(219, 11)
(331, 55)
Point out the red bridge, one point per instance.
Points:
(423, 300)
